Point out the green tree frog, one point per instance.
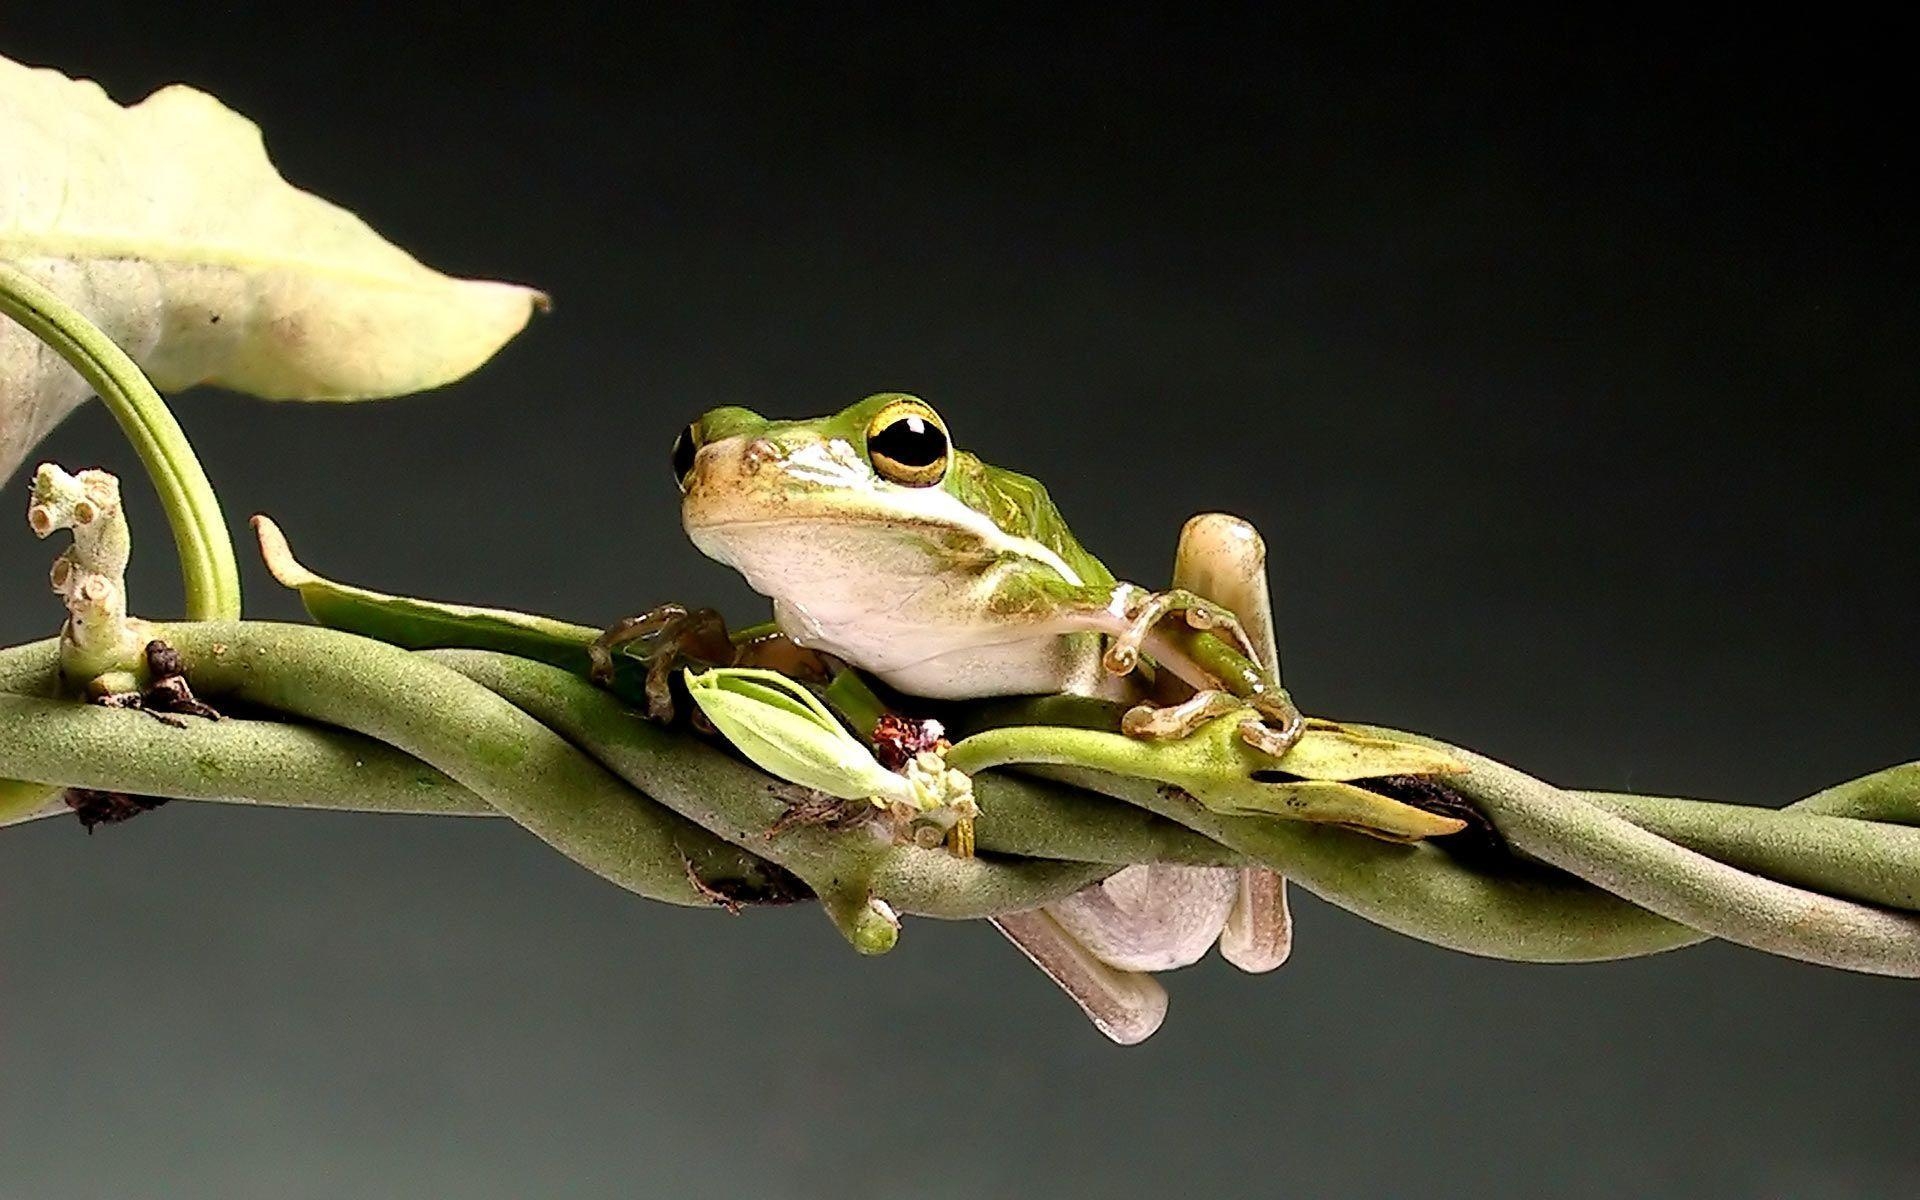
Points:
(883, 545)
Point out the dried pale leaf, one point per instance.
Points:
(166, 224)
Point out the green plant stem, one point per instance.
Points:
(514, 763)
(1502, 908)
(733, 799)
(306, 766)
(1712, 897)
(1565, 831)
(1866, 860)
(267, 763)
(1512, 912)
(207, 566)
(1839, 856)
(1891, 795)
(210, 575)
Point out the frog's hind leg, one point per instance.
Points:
(1127, 1006)
(1101, 943)
(1151, 916)
(1258, 935)
(1224, 559)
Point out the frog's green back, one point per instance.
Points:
(1019, 505)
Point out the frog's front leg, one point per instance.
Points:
(1199, 638)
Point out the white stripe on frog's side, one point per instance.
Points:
(940, 507)
(829, 469)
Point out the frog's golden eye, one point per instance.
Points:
(685, 447)
(908, 444)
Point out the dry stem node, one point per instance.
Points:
(101, 645)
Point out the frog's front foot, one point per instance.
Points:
(1271, 729)
(669, 637)
(1276, 729)
(1144, 610)
(1210, 649)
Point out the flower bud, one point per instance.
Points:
(784, 730)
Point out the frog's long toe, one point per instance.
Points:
(1274, 740)
(1163, 722)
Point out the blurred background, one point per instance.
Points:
(1567, 364)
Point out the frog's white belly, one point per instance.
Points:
(945, 662)
(904, 609)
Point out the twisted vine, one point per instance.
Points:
(354, 723)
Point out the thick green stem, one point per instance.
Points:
(1891, 795)
(1712, 897)
(306, 766)
(735, 800)
(267, 763)
(271, 763)
(1507, 910)
(514, 763)
(1510, 912)
(1854, 859)
(207, 566)
(1839, 856)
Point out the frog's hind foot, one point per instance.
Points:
(669, 637)
(1145, 610)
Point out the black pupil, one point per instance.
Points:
(683, 452)
(911, 442)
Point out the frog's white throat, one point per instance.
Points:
(902, 603)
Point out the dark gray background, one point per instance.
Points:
(1568, 365)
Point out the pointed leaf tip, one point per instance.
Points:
(281, 564)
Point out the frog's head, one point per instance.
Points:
(880, 453)
(876, 489)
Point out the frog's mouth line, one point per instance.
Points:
(932, 513)
(905, 524)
